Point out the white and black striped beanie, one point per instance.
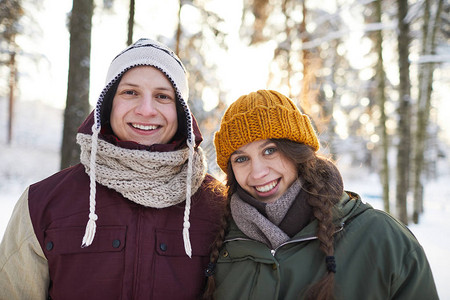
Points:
(144, 52)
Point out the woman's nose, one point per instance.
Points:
(259, 168)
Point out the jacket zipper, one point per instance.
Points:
(273, 251)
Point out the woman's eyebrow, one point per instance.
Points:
(265, 144)
(237, 152)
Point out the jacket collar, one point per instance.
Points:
(348, 207)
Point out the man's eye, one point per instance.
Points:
(129, 92)
(163, 97)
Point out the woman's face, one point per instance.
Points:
(144, 109)
(262, 170)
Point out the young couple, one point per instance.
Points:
(139, 218)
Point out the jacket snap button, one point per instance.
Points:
(49, 246)
(225, 253)
(163, 247)
(274, 266)
(116, 243)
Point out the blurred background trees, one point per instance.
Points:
(363, 70)
(10, 14)
(77, 100)
(14, 20)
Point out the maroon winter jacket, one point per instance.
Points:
(137, 252)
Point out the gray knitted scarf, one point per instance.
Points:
(151, 179)
(258, 227)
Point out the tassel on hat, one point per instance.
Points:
(91, 225)
(187, 208)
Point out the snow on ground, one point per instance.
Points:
(34, 155)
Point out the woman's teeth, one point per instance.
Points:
(267, 187)
(144, 127)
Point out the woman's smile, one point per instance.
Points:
(267, 187)
(263, 171)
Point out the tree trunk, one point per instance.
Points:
(332, 103)
(178, 33)
(287, 42)
(12, 88)
(381, 100)
(430, 25)
(131, 23)
(404, 113)
(306, 61)
(77, 102)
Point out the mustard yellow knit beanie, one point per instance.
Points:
(260, 115)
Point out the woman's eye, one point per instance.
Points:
(269, 151)
(241, 159)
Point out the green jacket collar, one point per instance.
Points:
(348, 207)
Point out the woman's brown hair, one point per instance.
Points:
(323, 184)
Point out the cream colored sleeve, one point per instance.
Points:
(24, 270)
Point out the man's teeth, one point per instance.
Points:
(267, 187)
(144, 127)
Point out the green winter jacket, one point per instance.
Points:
(376, 256)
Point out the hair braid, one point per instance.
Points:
(218, 242)
(324, 185)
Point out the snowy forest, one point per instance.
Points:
(372, 74)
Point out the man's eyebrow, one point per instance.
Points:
(163, 88)
(127, 83)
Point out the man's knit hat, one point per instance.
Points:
(147, 52)
(260, 115)
(144, 52)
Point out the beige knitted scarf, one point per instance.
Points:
(151, 179)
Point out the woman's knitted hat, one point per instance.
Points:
(260, 115)
(145, 52)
